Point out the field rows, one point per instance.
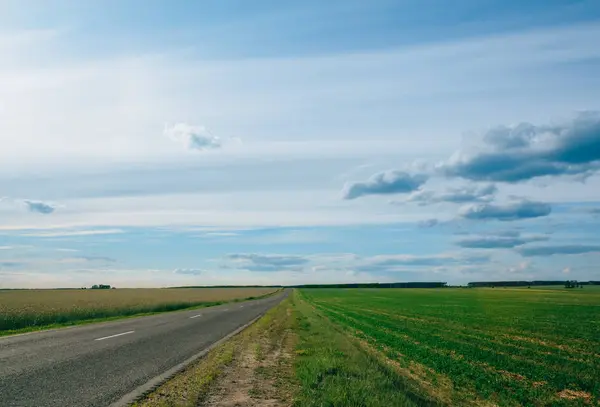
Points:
(509, 347)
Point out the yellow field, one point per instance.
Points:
(24, 309)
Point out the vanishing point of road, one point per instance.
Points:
(100, 364)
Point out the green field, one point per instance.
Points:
(22, 310)
(501, 346)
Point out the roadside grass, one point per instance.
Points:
(34, 310)
(292, 356)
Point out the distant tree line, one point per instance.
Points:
(100, 287)
(568, 283)
(229, 286)
(376, 285)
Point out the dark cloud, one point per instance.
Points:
(385, 183)
(527, 151)
(507, 212)
(470, 193)
(269, 262)
(40, 207)
(193, 137)
(557, 249)
(498, 241)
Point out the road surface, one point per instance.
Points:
(97, 364)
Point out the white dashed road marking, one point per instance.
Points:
(114, 336)
(196, 316)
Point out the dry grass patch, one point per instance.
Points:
(575, 395)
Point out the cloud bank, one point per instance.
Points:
(526, 151)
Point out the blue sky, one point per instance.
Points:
(147, 143)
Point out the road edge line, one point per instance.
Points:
(151, 385)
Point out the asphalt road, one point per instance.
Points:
(97, 364)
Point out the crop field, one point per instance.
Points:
(26, 309)
(506, 347)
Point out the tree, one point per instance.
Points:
(571, 284)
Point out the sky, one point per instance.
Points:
(155, 143)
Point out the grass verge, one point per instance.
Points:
(293, 356)
(118, 314)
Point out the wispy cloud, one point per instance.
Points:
(103, 259)
(499, 241)
(506, 212)
(189, 272)
(550, 250)
(401, 261)
(429, 223)
(348, 262)
(268, 262)
(66, 233)
(11, 264)
(385, 183)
